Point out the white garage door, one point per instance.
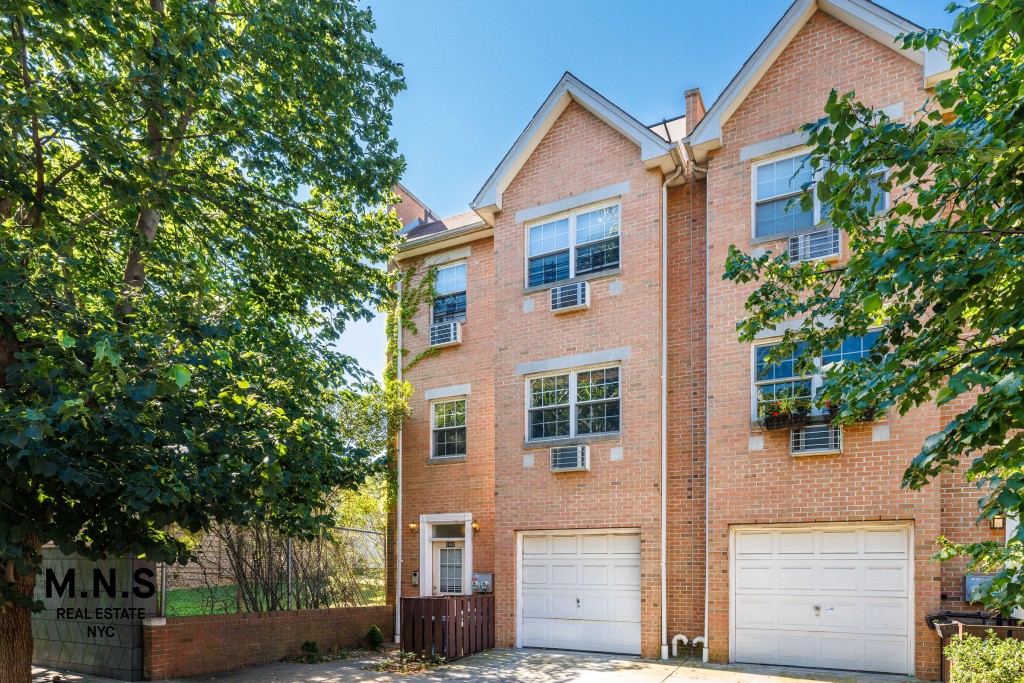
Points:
(581, 592)
(835, 597)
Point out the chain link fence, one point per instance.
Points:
(251, 569)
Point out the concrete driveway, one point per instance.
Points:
(522, 666)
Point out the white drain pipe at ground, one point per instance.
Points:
(676, 639)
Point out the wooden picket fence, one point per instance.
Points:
(451, 626)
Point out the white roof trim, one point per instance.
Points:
(870, 19)
(654, 151)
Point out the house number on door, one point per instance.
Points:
(449, 544)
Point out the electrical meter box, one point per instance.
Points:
(972, 582)
(482, 583)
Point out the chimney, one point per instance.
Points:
(694, 109)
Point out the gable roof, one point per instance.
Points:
(655, 151)
(865, 16)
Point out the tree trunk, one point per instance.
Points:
(16, 626)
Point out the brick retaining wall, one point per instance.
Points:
(188, 646)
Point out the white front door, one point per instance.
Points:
(449, 565)
(832, 596)
(581, 591)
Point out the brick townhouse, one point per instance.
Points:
(588, 434)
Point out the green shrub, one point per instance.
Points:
(985, 660)
(374, 638)
(311, 648)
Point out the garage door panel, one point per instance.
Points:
(564, 574)
(534, 573)
(592, 544)
(891, 578)
(626, 575)
(840, 653)
(801, 578)
(754, 543)
(535, 545)
(591, 592)
(594, 575)
(754, 577)
(535, 604)
(795, 543)
(798, 613)
(563, 545)
(823, 597)
(797, 647)
(626, 544)
(886, 654)
(754, 611)
(843, 578)
(885, 541)
(837, 616)
(840, 542)
(886, 616)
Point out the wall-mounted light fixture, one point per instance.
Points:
(475, 525)
(413, 526)
(997, 521)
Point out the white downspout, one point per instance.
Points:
(664, 405)
(707, 437)
(398, 455)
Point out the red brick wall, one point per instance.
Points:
(189, 646)
(770, 486)
(580, 153)
(687, 407)
(452, 487)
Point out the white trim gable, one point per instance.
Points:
(872, 20)
(654, 150)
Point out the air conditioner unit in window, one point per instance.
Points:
(814, 245)
(815, 439)
(446, 334)
(570, 458)
(572, 297)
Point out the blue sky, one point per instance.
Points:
(477, 71)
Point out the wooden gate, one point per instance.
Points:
(451, 626)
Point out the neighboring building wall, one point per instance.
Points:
(687, 407)
(409, 209)
(440, 487)
(190, 646)
(580, 153)
(768, 485)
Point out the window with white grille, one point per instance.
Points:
(779, 185)
(449, 564)
(577, 243)
(448, 429)
(450, 294)
(780, 388)
(574, 403)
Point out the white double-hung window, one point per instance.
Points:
(450, 294)
(780, 390)
(575, 403)
(448, 428)
(779, 185)
(573, 244)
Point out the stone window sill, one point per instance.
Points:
(611, 272)
(571, 441)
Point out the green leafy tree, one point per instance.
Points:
(940, 273)
(192, 199)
